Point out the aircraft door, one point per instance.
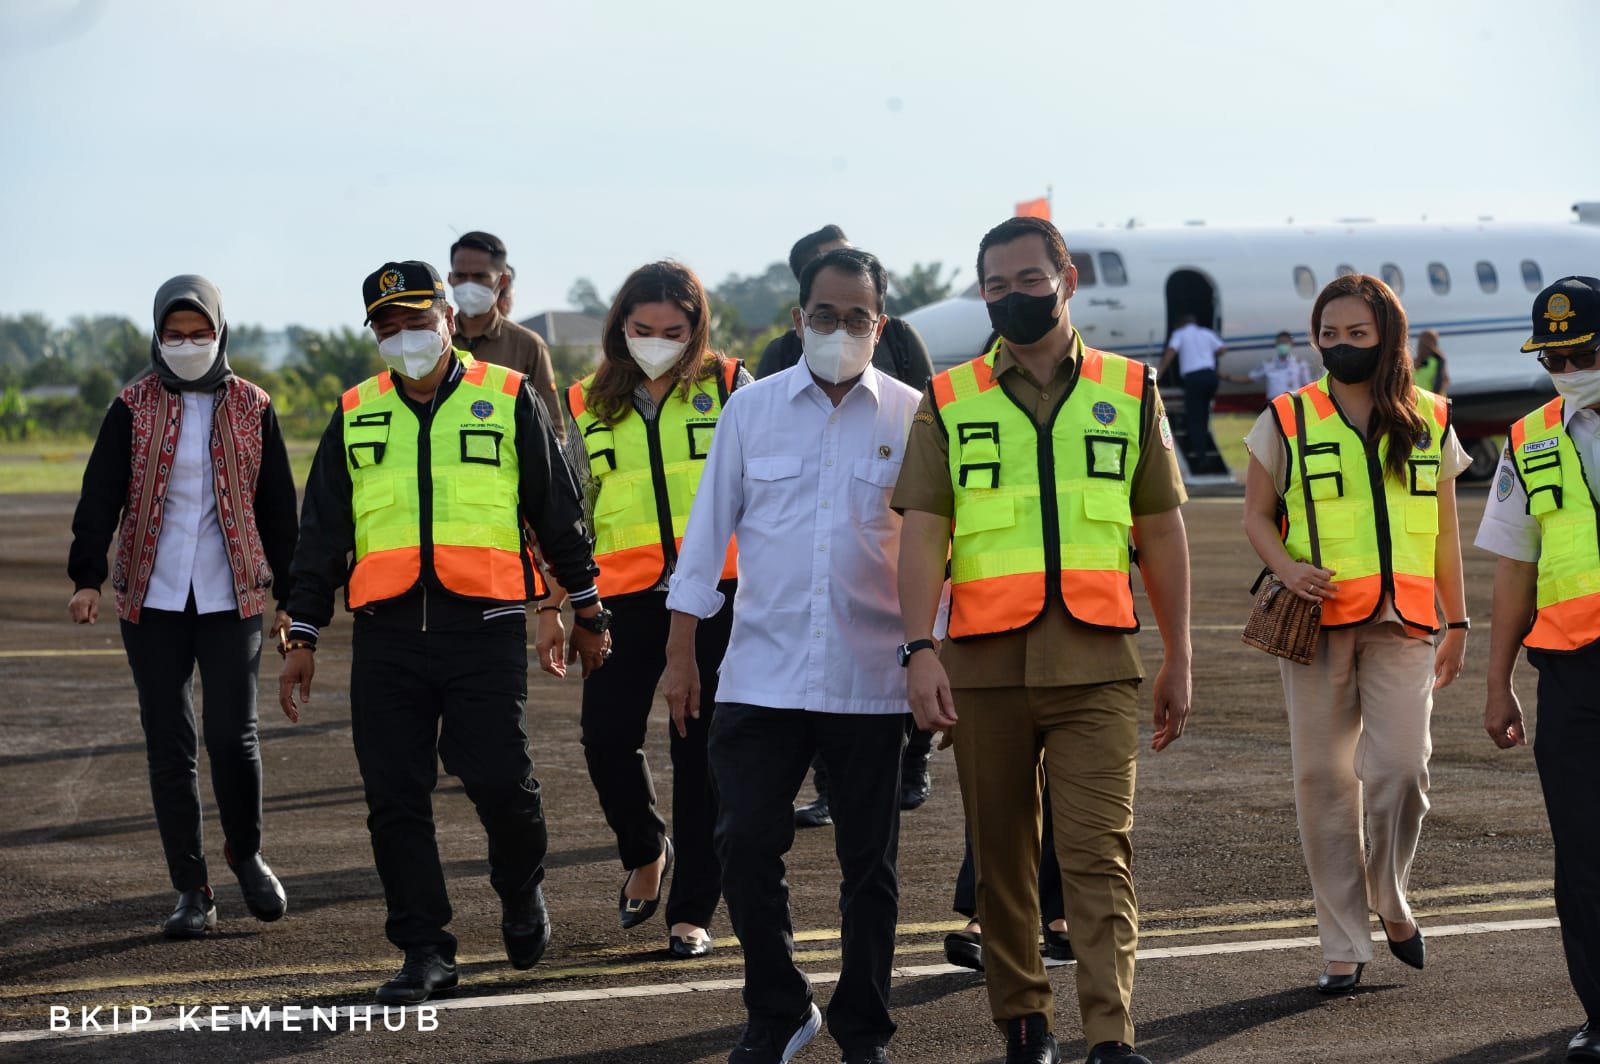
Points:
(1191, 292)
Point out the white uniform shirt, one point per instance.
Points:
(1283, 375)
(191, 551)
(805, 486)
(1197, 348)
(1507, 528)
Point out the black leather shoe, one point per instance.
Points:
(964, 949)
(915, 786)
(762, 1044)
(686, 949)
(525, 929)
(425, 971)
(873, 1055)
(1339, 984)
(814, 815)
(1057, 945)
(1116, 1053)
(1585, 1045)
(635, 911)
(263, 894)
(195, 915)
(1412, 951)
(1029, 1041)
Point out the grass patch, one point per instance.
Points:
(57, 469)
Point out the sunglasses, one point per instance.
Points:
(1559, 363)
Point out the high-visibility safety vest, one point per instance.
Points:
(1374, 550)
(649, 472)
(446, 498)
(1426, 373)
(1547, 462)
(1041, 511)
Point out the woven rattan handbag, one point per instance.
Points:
(1281, 622)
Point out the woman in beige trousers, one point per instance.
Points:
(1382, 520)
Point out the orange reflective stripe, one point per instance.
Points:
(1320, 400)
(513, 382)
(627, 572)
(475, 372)
(1099, 597)
(575, 400)
(1414, 601)
(1519, 433)
(1133, 384)
(1569, 625)
(730, 373)
(1355, 603)
(481, 572)
(983, 373)
(1441, 409)
(351, 399)
(1552, 413)
(384, 574)
(1284, 405)
(996, 604)
(944, 393)
(1093, 365)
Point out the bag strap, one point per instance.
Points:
(1305, 483)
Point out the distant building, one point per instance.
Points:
(573, 332)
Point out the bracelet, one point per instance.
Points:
(1461, 625)
(549, 609)
(296, 644)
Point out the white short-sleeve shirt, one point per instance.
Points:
(1508, 529)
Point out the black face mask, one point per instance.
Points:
(1350, 364)
(1023, 319)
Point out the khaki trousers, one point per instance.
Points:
(1358, 734)
(1088, 737)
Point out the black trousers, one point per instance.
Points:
(617, 702)
(163, 650)
(1567, 747)
(1199, 389)
(417, 698)
(919, 746)
(758, 761)
(1051, 907)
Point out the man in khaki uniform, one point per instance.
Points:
(480, 280)
(1041, 660)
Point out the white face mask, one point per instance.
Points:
(412, 352)
(654, 354)
(838, 356)
(1579, 387)
(474, 298)
(189, 360)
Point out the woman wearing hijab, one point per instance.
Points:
(1379, 547)
(644, 423)
(190, 472)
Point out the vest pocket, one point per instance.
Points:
(1107, 457)
(481, 446)
(1110, 506)
(769, 499)
(871, 482)
(615, 495)
(1422, 517)
(1424, 475)
(982, 512)
(371, 494)
(1335, 524)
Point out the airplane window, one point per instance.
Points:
(1084, 261)
(1532, 277)
(1488, 280)
(1305, 282)
(1439, 278)
(1111, 266)
(1394, 278)
(1345, 269)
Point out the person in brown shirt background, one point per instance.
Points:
(479, 280)
(1055, 687)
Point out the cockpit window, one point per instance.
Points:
(1305, 282)
(1084, 261)
(1111, 267)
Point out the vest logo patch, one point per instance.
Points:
(702, 402)
(1424, 442)
(482, 409)
(1540, 445)
(1166, 432)
(1502, 487)
(1105, 413)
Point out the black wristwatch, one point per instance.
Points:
(600, 622)
(905, 650)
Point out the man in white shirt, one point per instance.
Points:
(1197, 349)
(1283, 372)
(1542, 520)
(800, 470)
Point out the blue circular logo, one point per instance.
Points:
(1105, 413)
(1424, 442)
(702, 402)
(482, 409)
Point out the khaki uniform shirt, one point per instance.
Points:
(1055, 651)
(505, 343)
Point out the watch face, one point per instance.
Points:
(901, 655)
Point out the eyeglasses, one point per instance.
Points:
(1560, 363)
(824, 322)
(173, 338)
(1033, 286)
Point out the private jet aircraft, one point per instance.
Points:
(1474, 282)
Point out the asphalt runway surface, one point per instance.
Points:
(1227, 955)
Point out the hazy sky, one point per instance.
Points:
(286, 149)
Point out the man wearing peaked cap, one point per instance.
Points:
(430, 476)
(1543, 521)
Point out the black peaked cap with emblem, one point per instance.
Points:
(413, 285)
(1566, 314)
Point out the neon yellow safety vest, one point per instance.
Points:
(1551, 470)
(1041, 511)
(649, 473)
(466, 467)
(1371, 549)
(1426, 373)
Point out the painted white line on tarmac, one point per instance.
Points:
(339, 1016)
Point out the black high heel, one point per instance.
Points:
(1412, 951)
(635, 911)
(1339, 984)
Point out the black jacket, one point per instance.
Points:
(547, 499)
(900, 353)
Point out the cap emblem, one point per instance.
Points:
(391, 281)
(1557, 311)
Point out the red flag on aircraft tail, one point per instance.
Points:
(1035, 208)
